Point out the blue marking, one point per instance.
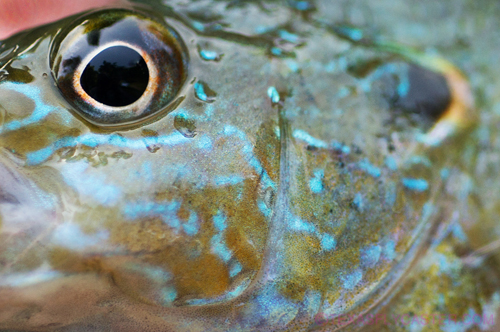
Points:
(316, 183)
(454, 325)
(94, 140)
(228, 180)
(390, 162)
(204, 143)
(328, 242)
(421, 160)
(358, 201)
(70, 236)
(390, 194)
(341, 147)
(419, 185)
(167, 212)
(247, 152)
(219, 247)
(292, 38)
(198, 26)
(220, 221)
(427, 211)
(371, 255)
(390, 250)
(273, 94)
(352, 33)
(267, 212)
(191, 227)
(458, 232)
(301, 5)
(90, 185)
(209, 55)
(235, 269)
(330, 67)
(169, 294)
(367, 167)
(292, 65)
(299, 225)
(350, 281)
(445, 173)
(304, 136)
(276, 51)
(39, 113)
(200, 91)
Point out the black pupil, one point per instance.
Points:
(118, 76)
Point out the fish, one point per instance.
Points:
(252, 166)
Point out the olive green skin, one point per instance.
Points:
(305, 250)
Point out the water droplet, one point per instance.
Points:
(147, 134)
(273, 94)
(3, 74)
(209, 54)
(45, 75)
(185, 125)
(203, 92)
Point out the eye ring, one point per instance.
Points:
(140, 103)
(92, 44)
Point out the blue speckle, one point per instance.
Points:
(235, 269)
(204, 142)
(358, 201)
(90, 185)
(445, 173)
(198, 26)
(219, 247)
(169, 295)
(304, 136)
(292, 38)
(94, 140)
(458, 232)
(273, 94)
(371, 255)
(299, 225)
(404, 85)
(292, 65)
(419, 185)
(276, 51)
(390, 162)
(70, 236)
(191, 226)
(228, 180)
(328, 242)
(427, 211)
(367, 167)
(316, 183)
(264, 209)
(351, 280)
(341, 147)
(390, 250)
(220, 221)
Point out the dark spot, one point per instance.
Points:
(426, 93)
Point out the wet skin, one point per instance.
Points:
(304, 175)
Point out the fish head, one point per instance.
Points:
(240, 171)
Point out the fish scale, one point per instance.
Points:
(287, 186)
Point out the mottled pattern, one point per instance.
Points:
(297, 182)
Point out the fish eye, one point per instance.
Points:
(118, 67)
